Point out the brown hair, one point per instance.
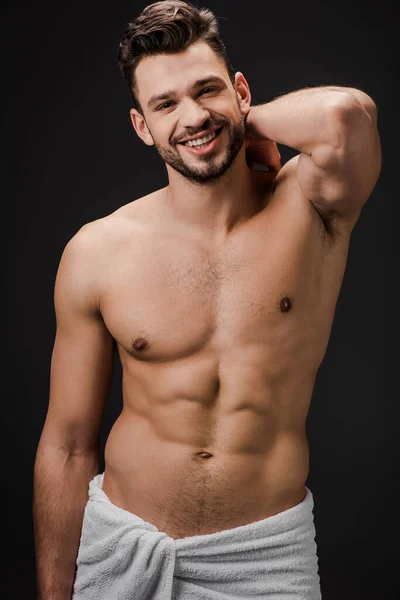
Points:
(167, 27)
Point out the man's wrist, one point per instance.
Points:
(256, 122)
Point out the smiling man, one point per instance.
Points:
(219, 293)
(214, 89)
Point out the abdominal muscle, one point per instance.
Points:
(216, 468)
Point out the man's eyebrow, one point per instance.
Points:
(199, 83)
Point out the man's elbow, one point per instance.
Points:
(351, 102)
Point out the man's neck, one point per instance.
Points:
(213, 209)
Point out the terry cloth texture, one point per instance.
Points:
(123, 557)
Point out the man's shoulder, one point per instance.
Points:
(140, 211)
(114, 228)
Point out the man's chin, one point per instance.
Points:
(205, 174)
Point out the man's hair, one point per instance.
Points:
(167, 27)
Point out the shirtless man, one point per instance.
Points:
(219, 292)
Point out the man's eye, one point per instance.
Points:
(209, 88)
(163, 105)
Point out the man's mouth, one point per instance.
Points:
(201, 142)
(203, 145)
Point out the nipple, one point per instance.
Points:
(140, 343)
(285, 304)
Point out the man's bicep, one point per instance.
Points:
(338, 179)
(82, 359)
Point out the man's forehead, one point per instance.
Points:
(165, 71)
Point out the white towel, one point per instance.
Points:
(123, 557)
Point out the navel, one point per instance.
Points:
(204, 454)
(285, 304)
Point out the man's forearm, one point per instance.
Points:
(59, 498)
(303, 119)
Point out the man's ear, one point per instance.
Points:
(139, 125)
(243, 93)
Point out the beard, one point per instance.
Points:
(209, 167)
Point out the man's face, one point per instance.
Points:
(188, 108)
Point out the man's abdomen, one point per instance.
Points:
(220, 471)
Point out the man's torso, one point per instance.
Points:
(219, 346)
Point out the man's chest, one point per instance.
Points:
(165, 300)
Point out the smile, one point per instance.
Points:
(204, 144)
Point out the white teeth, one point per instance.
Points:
(201, 141)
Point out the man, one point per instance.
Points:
(219, 291)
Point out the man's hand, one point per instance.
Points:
(260, 149)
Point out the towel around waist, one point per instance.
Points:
(118, 548)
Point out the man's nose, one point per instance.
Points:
(194, 114)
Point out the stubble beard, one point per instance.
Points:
(210, 166)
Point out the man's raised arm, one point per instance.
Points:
(67, 453)
(306, 119)
(335, 131)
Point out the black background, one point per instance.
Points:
(73, 157)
